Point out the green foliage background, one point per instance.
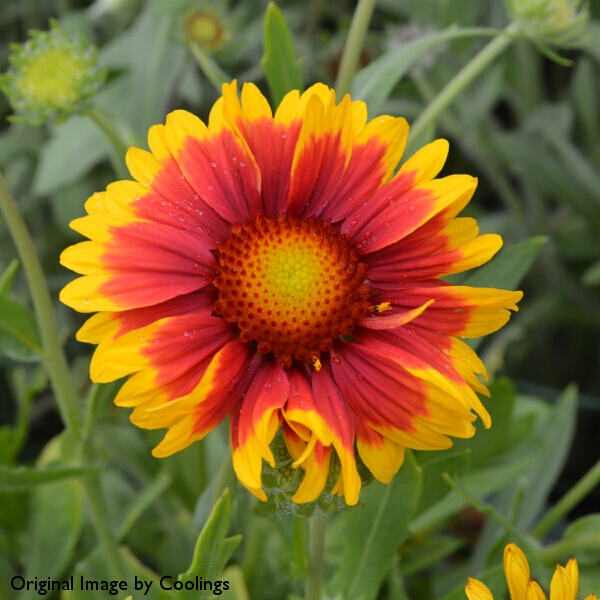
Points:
(528, 127)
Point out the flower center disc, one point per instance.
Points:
(292, 286)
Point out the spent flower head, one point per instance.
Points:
(206, 28)
(557, 22)
(51, 76)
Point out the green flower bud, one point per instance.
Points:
(557, 22)
(282, 482)
(51, 76)
(206, 29)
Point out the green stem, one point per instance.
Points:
(118, 146)
(108, 541)
(53, 355)
(462, 79)
(571, 499)
(353, 47)
(316, 552)
(209, 67)
(55, 363)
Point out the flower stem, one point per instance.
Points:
(55, 363)
(316, 552)
(118, 146)
(573, 497)
(463, 78)
(108, 541)
(53, 356)
(209, 67)
(353, 47)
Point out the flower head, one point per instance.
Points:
(557, 22)
(564, 584)
(273, 269)
(52, 75)
(205, 28)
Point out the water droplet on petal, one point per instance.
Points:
(284, 135)
(213, 164)
(210, 187)
(86, 300)
(336, 360)
(353, 222)
(242, 164)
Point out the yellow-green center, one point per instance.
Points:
(292, 286)
(51, 77)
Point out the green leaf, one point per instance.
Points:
(488, 443)
(7, 278)
(456, 463)
(375, 533)
(213, 549)
(278, 62)
(556, 432)
(507, 269)
(54, 532)
(479, 484)
(74, 148)
(578, 531)
(234, 575)
(375, 82)
(19, 335)
(591, 276)
(20, 478)
(93, 570)
(427, 552)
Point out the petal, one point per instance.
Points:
(442, 246)
(534, 592)
(173, 348)
(170, 199)
(476, 590)
(272, 142)
(212, 399)
(339, 421)
(427, 162)
(321, 157)
(572, 570)
(255, 421)
(400, 207)
(381, 456)
(406, 409)
(443, 383)
(516, 570)
(460, 311)
(135, 264)
(315, 477)
(393, 321)
(216, 165)
(560, 586)
(375, 154)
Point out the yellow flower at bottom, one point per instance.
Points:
(564, 585)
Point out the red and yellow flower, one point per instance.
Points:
(274, 269)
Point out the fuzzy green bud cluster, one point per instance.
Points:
(282, 482)
(51, 76)
(556, 22)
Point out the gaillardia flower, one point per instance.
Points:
(564, 584)
(273, 269)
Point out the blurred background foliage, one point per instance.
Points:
(528, 128)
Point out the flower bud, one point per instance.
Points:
(557, 22)
(282, 482)
(206, 29)
(51, 75)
